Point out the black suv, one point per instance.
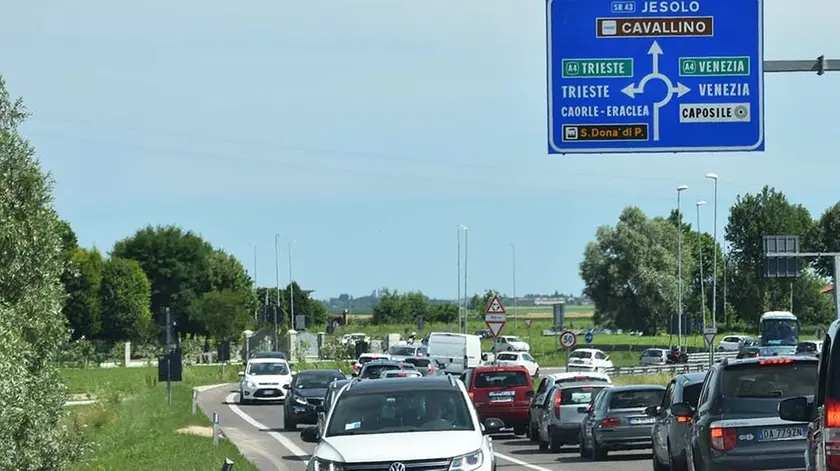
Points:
(736, 423)
(306, 392)
(373, 369)
(820, 407)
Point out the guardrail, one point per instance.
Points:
(696, 362)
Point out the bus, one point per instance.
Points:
(779, 330)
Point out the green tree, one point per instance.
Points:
(82, 283)
(33, 436)
(313, 311)
(178, 265)
(225, 314)
(444, 313)
(751, 218)
(824, 236)
(630, 271)
(124, 300)
(389, 309)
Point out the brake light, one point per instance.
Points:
(832, 432)
(558, 401)
(472, 395)
(776, 361)
(724, 439)
(610, 422)
(683, 419)
(431, 369)
(581, 377)
(402, 375)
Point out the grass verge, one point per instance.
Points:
(133, 428)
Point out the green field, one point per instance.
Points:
(133, 428)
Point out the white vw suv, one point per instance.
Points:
(409, 423)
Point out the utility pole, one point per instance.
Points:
(277, 287)
(714, 177)
(466, 311)
(169, 348)
(291, 290)
(680, 189)
(460, 313)
(515, 310)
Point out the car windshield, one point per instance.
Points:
(579, 395)
(636, 398)
(363, 360)
(780, 332)
(653, 353)
(691, 393)
(581, 354)
(498, 379)
(420, 362)
(399, 412)
(507, 356)
(402, 350)
(770, 379)
(266, 368)
(315, 380)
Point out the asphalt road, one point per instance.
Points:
(258, 432)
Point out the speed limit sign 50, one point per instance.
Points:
(568, 339)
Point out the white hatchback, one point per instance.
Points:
(589, 359)
(519, 359)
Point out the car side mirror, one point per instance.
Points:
(287, 386)
(320, 409)
(529, 393)
(493, 425)
(309, 435)
(583, 410)
(241, 374)
(652, 411)
(607, 358)
(795, 409)
(682, 409)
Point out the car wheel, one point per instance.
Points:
(584, 452)
(598, 453)
(242, 400)
(543, 445)
(679, 462)
(533, 433)
(520, 430)
(657, 465)
(554, 444)
(289, 423)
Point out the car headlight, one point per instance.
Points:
(250, 384)
(300, 400)
(467, 462)
(317, 464)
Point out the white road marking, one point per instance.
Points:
(285, 442)
(520, 462)
(304, 456)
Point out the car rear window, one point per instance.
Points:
(421, 362)
(507, 356)
(579, 395)
(495, 379)
(691, 393)
(364, 360)
(769, 378)
(583, 379)
(653, 353)
(636, 398)
(580, 354)
(376, 370)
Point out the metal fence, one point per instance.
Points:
(696, 362)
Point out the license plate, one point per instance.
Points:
(502, 396)
(780, 433)
(269, 392)
(642, 421)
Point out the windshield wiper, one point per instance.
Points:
(760, 395)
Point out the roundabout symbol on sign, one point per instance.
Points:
(568, 339)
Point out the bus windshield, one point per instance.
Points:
(779, 332)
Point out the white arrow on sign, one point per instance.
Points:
(631, 90)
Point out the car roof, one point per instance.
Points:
(491, 368)
(383, 361)
(423, 383)
(319, 372)
(268, 360)
(692, 377)
(582, 385)
(637, 387)
(338, 384)
(280, 355)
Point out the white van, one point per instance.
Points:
(456, 351)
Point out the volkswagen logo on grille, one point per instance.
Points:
(397, 467)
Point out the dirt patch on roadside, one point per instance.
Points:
(80, 397)
(196, 430)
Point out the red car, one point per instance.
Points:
(502, 392)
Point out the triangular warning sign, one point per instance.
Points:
(710, 337)
(495, 306)
(495, 327)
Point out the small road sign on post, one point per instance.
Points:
(567, 340)
(495, 316)
(588, 337)
(528, 323)
(678, 78)
(709, 334)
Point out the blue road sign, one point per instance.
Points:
(588, 337)
(628, 76)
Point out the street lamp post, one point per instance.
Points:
(680, 189)
(461, 227)
(700, 254)
(256, 309)
(291, 290)
(714, 177)
(515, 310)
(277, 288)
(466, 307)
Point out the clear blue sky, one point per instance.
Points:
(367, 130)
